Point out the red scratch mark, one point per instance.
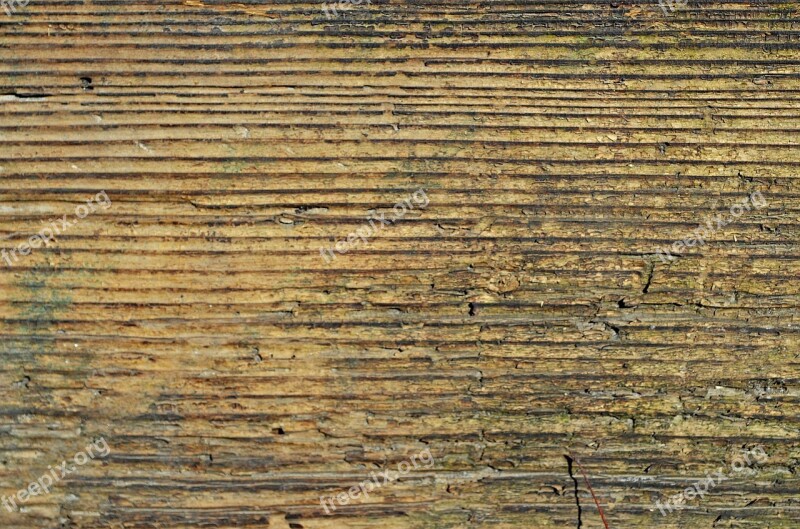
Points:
(591, 491)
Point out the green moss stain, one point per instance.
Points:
(35, 333)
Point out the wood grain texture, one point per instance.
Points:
(521, 317)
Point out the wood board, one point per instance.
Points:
(518, 328)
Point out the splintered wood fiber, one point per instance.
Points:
(429, 264)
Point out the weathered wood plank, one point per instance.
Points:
(518, 325)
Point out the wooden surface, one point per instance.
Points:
(521, 317)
